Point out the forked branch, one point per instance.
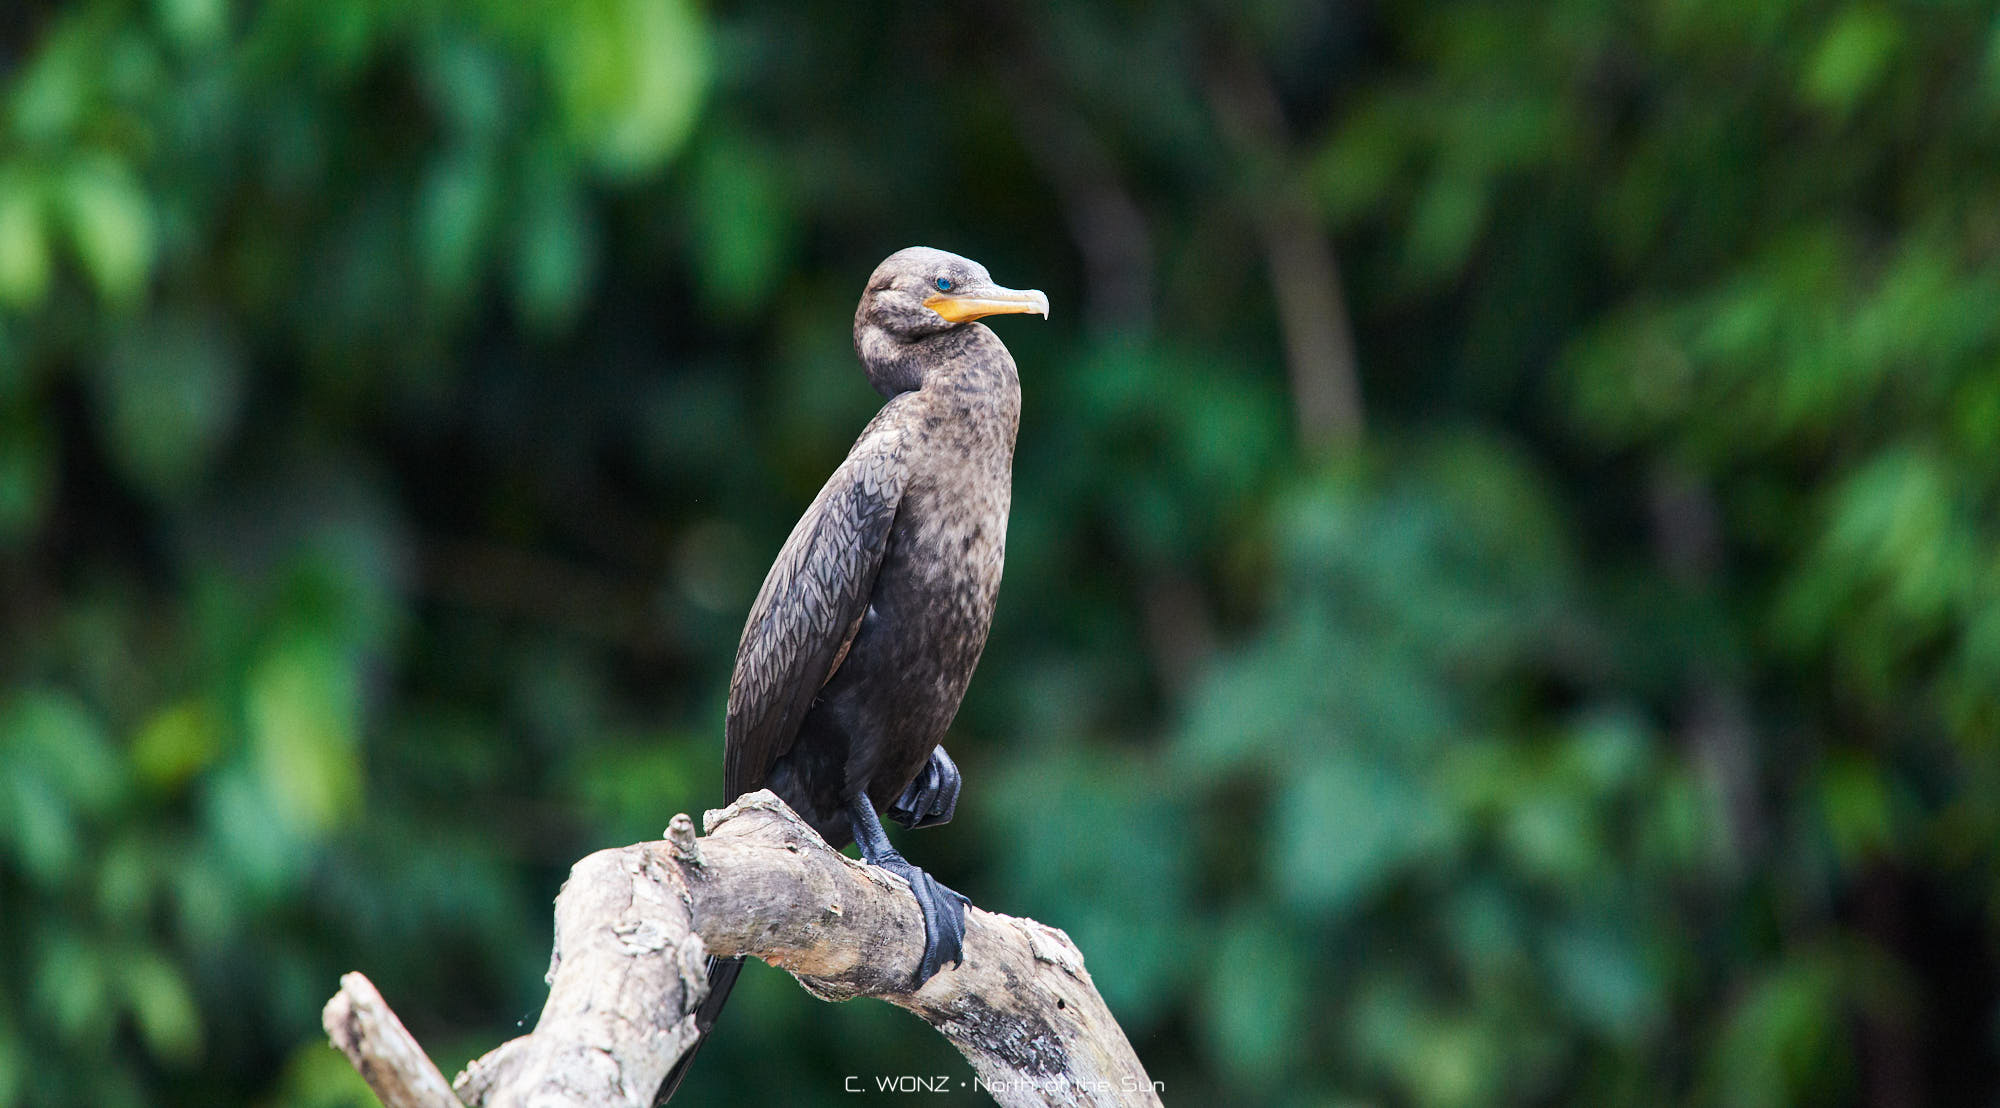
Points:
(635, 925)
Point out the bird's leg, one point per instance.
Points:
(932, 797)
(943, 909)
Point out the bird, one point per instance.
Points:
(860, 645)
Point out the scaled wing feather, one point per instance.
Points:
(806, 614)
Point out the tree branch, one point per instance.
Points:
(360, 1023)
(1305, 274)
(634, 926)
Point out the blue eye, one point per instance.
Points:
(944, 284)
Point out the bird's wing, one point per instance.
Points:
(811, 604)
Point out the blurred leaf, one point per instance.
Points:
(1256, 998)
(195, 23)
(1857, 810)
(1488, 930)
(169, 396)
(71, 986)
(1852, 56)
(263, 848)
(555, 250)
(24, 245)
(1778, 1042)
(1895, 557)
(1450, 213)
(743, 207)
(469, 80)
(315, 1077)
(629, 76)
(1553, 836)
(51, 735)
(55, 86)
(177, 743)
(162, 1007)
(37, 828)
(301, 707)
(1601, 974)
(1440, 1060)
(127, 876)
(1345, 826)
(1610, 751)
(111, 227)
(1355, 171)
(1685, 829)
(454, 214)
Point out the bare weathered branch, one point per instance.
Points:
(634, 925)
(361, 1024)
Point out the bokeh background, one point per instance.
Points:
(1503, 604)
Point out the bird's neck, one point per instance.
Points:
(964, 365)
(972, 361)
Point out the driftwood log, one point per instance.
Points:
(635, 925)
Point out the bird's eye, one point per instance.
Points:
(943, 284)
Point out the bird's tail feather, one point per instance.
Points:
(721, 978)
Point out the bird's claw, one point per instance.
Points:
(944, 918)
(932, 798)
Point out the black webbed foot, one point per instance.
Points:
(932, 798)
(944, 917)
(943, 909)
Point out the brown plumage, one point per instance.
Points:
(865, 634)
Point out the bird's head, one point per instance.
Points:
(918, 293)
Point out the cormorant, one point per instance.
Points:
(860, 645)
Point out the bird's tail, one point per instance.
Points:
(721, 978)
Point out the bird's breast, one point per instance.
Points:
(947, 551)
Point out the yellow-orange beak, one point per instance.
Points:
(980, 301)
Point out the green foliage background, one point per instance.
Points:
(400, 401)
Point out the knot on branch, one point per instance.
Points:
(680, 837)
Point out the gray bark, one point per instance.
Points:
(634, 926)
